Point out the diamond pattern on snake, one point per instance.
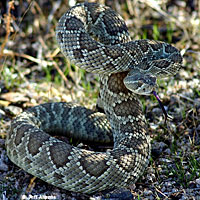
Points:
(95, 38)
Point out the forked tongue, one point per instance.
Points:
(167, 117)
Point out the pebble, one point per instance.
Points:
(167, 151)
(2, 142)
(2, 113)
(157, 111)
(198, 181)
(184, 197)
(121, 194)
(147, 192)
(153, 126)
(163, 189)
(158, 147)
(3, 166)
(174, 190)
(14, 110)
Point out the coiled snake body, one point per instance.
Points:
(95, 38)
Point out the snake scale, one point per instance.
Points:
(96, 39)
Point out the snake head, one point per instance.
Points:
(140, 83)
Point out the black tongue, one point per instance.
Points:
(167, 117)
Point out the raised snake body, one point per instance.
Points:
(124, 66)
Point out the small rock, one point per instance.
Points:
(197, 102)
(184, 197)
(147, 192)
(157, 111)
(14, 110)
(165, 160)
(198, 181)
(2, 113)
(121, 194)
(158, 147)
(153, 126)
(174, 99)
(3, 166)
(168, 184)
(2, 142)
(174, 190)
(192, 184)
(168, 151)
(163, 189)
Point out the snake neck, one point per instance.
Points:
(123, 109)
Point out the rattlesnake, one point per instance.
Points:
(95, 38)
